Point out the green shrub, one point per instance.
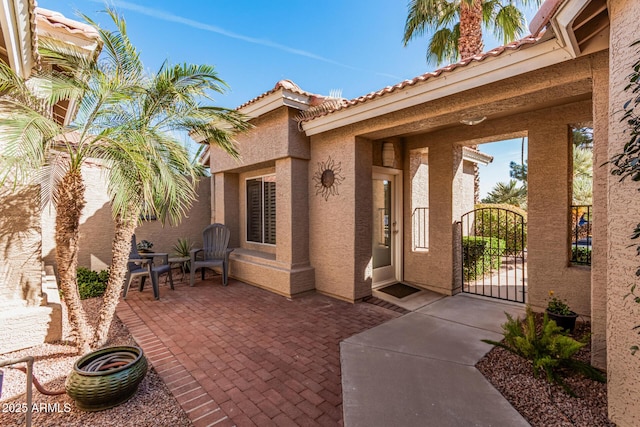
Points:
(547, 346)
(503, 222)
(481, 255)
(581, 255)
(91, 283)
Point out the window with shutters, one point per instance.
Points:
(261, 209)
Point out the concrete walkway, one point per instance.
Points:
(418, 370)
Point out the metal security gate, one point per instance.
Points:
(494, 254)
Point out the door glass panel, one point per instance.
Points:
(382, 223)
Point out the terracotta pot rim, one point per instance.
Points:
(573, 314)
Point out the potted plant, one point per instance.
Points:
(182, 250)
(559, 311)
(144, 246)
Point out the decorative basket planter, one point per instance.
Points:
(565, 321)
(106, 378)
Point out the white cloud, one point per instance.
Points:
(170, 17)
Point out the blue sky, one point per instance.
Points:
(351, 45)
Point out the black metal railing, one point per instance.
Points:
(494, 254)
(420, 219)
(581, 234)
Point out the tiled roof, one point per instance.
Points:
(529, 40)
(542, 18)
(282, 84)
(57, 20)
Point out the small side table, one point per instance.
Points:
(182, 261)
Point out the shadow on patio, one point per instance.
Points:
(239, 355)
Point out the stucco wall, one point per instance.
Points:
(96, 224)
(433, 268)
(622, 262)
(600, 221)
(191, 226)
(332, 221)
(274, 147)
(549, 201)
(20, 249)
(274, 136)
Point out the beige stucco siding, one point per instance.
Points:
(622, 262)
(97, 227)
(549, 207)
(20, 250)
(433, 268)
(332, 221)
(274, 136)
(600, 221)
(225, 208)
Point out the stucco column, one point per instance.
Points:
(362, 205)
(549, 212)
(599, 214)
(340, 221)
(623, 216)
(225, 204)
(292, 227)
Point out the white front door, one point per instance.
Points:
(386, 228)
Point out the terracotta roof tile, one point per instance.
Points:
(529, 40)
(543, 17)
(58, 20)
(282, 84)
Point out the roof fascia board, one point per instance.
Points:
(16, 30)
(471, 76)
(79, 41)
(562, 22)
(476, 156)
(275, 100)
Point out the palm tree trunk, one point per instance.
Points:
(470, 44)
(121, 247)
(69, 208)
(470, 41)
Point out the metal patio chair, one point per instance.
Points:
(214, 252)
(142, 265)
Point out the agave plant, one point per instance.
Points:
(183, 249)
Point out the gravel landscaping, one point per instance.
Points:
(543, 404)
(152, 405)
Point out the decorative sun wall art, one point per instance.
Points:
(327, 178)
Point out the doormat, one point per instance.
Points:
(399, 290)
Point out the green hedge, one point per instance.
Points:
(481, 255)
(581, 255)
(504, 224)
(91, 283)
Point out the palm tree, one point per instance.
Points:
(128, 120)
(457, 31)
(156, 173)
(456, 25)
(508, 193)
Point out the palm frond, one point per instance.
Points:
(509, 23)
(443, 46)
(426, 15)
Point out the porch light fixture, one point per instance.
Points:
(472, 121)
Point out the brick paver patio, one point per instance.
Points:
(239, 355)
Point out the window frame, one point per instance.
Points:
(262, 213)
